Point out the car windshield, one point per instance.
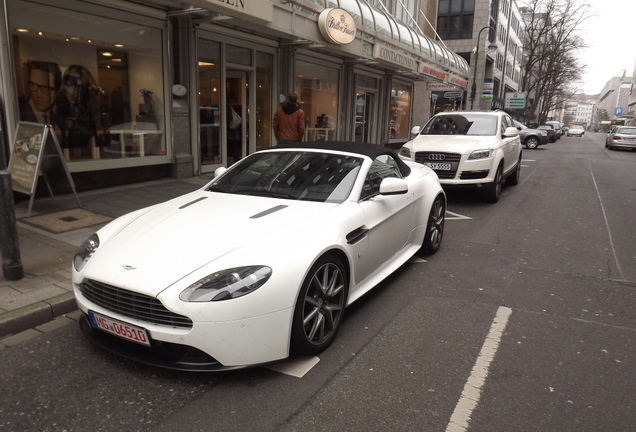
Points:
(461, 124)
(626, 131)
(298, 175)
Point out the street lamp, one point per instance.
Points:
(473, 89)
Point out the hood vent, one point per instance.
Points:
(268, 212)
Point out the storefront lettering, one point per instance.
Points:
(387, 54)
(427, 70)
(236, 3)
(459, 81)
(341, 26)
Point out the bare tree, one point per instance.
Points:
(551, 73)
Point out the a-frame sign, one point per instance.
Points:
(36, 151)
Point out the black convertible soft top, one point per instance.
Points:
(364, 149)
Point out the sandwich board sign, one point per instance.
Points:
(36, 152)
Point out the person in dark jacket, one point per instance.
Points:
(289, 121)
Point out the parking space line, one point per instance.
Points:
(472, 389)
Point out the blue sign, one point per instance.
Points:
(618, 110)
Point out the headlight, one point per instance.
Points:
(406, 152)
(480, 154)
(227, 284)
(85, 252)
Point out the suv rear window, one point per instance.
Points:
(455, 124)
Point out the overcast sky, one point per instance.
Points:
(611, 48)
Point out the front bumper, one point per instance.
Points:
(206, 346)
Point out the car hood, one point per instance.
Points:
(452, 143)
(173, 239)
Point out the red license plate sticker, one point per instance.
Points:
(119, 328)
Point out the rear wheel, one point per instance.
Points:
(435, 226)
(319, 307)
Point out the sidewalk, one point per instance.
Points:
(49, 239)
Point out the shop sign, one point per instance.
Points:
(256, 9)
(431, 71)
(382, 52)
(337, 26)
(460, 82)
(488, 88)
(452, 95)
(441, 86)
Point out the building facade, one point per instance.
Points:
(488, 34)
(146, 89)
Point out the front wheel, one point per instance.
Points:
(494, 192)
(532, 143)
(513, 180)
(320, 307)
(435, 226)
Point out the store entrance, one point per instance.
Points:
(365, 107)
(237, 114)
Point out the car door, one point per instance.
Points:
(511, 145)
(389, 218)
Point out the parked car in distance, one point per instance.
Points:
(260, 263)
(476, 149)
(531, 138)
(558, 127)
(576, 130)
(552, 133)
(622, 137)
(611, 130)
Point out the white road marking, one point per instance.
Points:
(607, 226)
(455, 216)
(472, 389)
(294, 366)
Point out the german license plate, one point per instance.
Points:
(119, 328)
(438, 166)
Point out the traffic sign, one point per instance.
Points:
(515, 100)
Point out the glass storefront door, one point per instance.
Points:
(237, 97)
(365, 104)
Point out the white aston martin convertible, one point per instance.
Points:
(260, 263)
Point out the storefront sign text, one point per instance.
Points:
(460, 82)
(381, 52)
(258, 9)
(431, 71)
(337, 26)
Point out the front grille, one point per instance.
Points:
(437, 157)
(133, 305)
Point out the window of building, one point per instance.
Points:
(99, 82)
(400, 106)
(455, 19)
(317, 89)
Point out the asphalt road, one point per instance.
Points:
(523, 321)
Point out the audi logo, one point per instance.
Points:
(436, 157)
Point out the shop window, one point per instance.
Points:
(264, 85)
(209, 102)
(97, 81)
(317, 88)
(400, 115)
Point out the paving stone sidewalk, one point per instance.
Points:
(44, 297)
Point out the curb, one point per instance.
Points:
(36, 314)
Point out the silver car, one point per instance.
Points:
(622, 137)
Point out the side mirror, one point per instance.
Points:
(511, 132)
(416, 130)
(393, 186)
(219, 171)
